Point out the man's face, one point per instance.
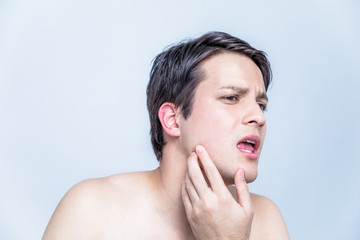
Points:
(227, 116)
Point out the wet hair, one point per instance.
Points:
(176, 73)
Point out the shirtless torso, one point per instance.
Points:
(129, 206)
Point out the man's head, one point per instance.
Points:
(176, 74)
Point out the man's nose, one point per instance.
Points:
(254, 115)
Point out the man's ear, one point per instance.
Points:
(168, 118)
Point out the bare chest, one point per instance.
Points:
(140, 223)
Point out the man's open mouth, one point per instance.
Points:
(249, 145)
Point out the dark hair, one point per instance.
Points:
(175, 75)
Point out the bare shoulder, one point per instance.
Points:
(268, 221)
(88, 205)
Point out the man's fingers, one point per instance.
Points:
(197, 176)
(186, 199)
(242, 190)
(193, 195)
(213, 175)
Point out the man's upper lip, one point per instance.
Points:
(253, 138)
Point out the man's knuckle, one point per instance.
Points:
(223, 199)
(196, 214)
(207, 205)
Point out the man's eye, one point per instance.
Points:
(231, 98)
(262, 107)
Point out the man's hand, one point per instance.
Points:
(212, 211)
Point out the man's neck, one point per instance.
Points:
(170, 177)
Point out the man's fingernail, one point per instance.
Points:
(199, 149)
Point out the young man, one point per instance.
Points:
(206, 100)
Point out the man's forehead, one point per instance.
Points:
(231, 71)
(228, 64)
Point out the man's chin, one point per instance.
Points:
(250, 176)
(250, 180)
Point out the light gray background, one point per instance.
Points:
(73, 76)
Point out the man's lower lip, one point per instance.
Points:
(251, 155)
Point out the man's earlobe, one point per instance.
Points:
(167, 116)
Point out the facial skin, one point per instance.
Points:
(228, 106)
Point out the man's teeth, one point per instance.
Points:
(244, 150)
(249, 141)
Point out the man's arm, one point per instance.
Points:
(72, 218)
(268, 221)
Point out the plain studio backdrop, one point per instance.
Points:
(73, 76)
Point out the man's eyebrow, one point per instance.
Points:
(243, 91)
(240, 90)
